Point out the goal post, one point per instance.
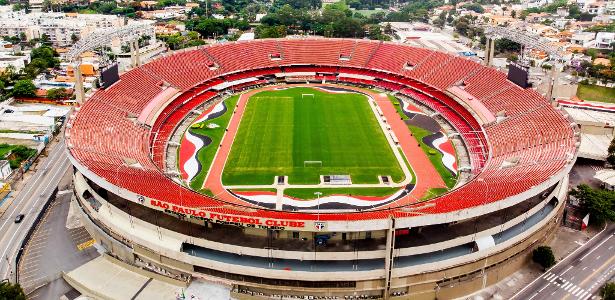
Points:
(312, 163)
(303, 96)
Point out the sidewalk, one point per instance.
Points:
(18, 186)
(566, 240)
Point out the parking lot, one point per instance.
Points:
(54, 248)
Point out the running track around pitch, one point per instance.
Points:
(427, 176)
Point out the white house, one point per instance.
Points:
(604, 40)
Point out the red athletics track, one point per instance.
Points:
(427, 176)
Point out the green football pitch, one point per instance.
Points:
(281, 130)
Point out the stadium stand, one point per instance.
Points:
(107, 115)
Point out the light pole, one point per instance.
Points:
(318, 194)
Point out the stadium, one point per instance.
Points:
(321, 168)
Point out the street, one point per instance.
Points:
(578, 276)
(29, 202)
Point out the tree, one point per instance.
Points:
(543, 255)
(45, 39)
(264, 31)
(374, 32)
(24, 88)
(611, 153)
(599, 203)
(11, 291)
(388, 29)
(608, 291)
(474, 7)
(55, 94)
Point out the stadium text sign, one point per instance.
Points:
(225, 219)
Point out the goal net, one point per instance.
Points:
(312, 163)
(310, 96)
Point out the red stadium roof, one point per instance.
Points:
(105, 138)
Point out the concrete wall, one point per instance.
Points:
(420, 282)
(116, 214)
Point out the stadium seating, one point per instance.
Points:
(105, 138)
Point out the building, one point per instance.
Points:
(17, 62)
(5, 170)
(604, 40)
(446, 247)
(61, 28)
(584, 39)
(606, 178)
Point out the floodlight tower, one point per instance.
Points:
(103, 37)
(526, 40)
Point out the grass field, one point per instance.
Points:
(206, 154)
(434, 155)
(596, 93)
(307, 194)
(280, 130)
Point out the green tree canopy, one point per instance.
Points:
(599, 203)
(10, 291)
(55, 94)
(24, 88)
(543, 255)
(611, 153)
(608, 291)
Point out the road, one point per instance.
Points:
(578, 276)
(29, 202)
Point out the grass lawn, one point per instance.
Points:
(398, 107)
(5, 148)
(206, 154)
(307, 194)
(87, 11)
(256, 190)
(596, 93)
(279, 131)
(434, 156)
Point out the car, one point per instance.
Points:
(19, 218)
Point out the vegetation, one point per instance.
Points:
(19, 154)
(574, 11)
(210, 28)
(434, 156)
(474, 7)
(177, 41)
(611, 153)
(57, 93)
(608, 291)
(597, 71)
(24, 88)
(338, 20)
(308, 194)
(100, 7)
(9, 291)
(280, 130)
(543, 255)
(599, 203)
(206, 154)
(603, 27)
(590, 92)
